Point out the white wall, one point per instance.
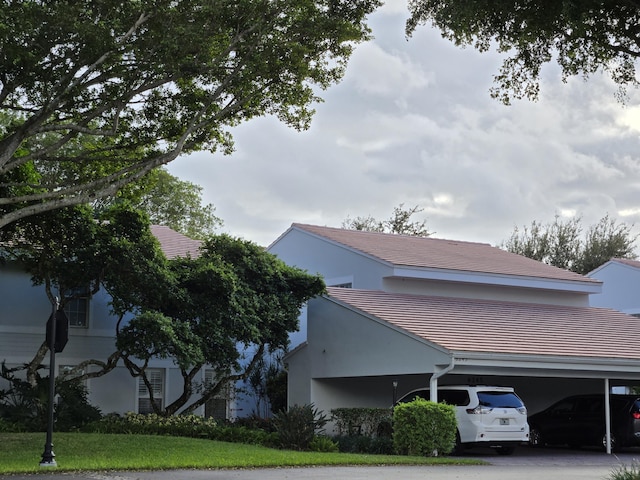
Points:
(620, 289)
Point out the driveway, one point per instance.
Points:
(525, 464)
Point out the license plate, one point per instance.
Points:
(504, 421)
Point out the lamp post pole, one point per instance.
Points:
(395, 391)
(48, 457)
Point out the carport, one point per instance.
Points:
(366, 348)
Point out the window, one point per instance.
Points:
(343, 285)
(77, 309)
(217, 407)
(156, 379)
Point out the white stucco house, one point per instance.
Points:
(405, 312)
(23, 316)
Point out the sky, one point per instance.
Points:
(412, 122)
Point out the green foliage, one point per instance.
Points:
(424, 428)
(321, 443)
(234, 293)
(107, 91)
(298, 426)
(172, 202)
(399, 223)
(626, 472)
(369, 422)
(24, 407)
(381, 445)
(583, 37)
(182, 426)
(563, 245)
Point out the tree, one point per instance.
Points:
(584, 37)
(171, 202)
(70, 252)
(563, 245)
(95, 95)
(399, 223)
(195, 311)
(234, 294)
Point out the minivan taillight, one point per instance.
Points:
(479, 410)
(636, 415)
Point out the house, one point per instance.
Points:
(406, 312)
(23, 316)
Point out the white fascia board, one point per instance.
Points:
(549, 363)
(587, 287)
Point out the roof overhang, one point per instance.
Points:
(461, 276)
(545, 366)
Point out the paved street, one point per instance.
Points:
(525, 464)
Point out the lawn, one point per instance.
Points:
(21, 452)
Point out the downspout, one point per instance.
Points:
(433, 382)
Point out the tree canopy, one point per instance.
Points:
(234, 294)
(169, 201)
(94, 95)
(583, 37)
(399, 222)
(564, 244)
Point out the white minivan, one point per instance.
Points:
(487, 416)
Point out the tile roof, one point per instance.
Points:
(483, 326)
(174, 244)
(435, 253)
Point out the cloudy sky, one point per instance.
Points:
(412, 122)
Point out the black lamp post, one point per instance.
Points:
(48, 457)
(395, 391)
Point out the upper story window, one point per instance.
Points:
(77, 309)
(343, 285)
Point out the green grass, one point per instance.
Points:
(22, 452)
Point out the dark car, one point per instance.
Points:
(580, 420)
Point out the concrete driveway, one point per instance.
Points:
(525, 464)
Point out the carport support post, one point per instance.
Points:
(607, 414)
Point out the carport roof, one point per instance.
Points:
(497, 327)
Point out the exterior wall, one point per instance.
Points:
(336, 264)
(343, 343)
(620, 289)
(23, 317)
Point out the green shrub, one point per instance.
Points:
(381, 445)
(424, 428)
(624, 472)
(320, 443)
(153, 424)
(370, 422)
(297, 426)
(25, 407)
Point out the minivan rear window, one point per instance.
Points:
(499, 400)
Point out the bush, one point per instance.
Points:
(382, 445)
(298, 426)
(153, 424)
(320, 443)
(24, 407)
(424, 428)
(182, 425)
(370, 422)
